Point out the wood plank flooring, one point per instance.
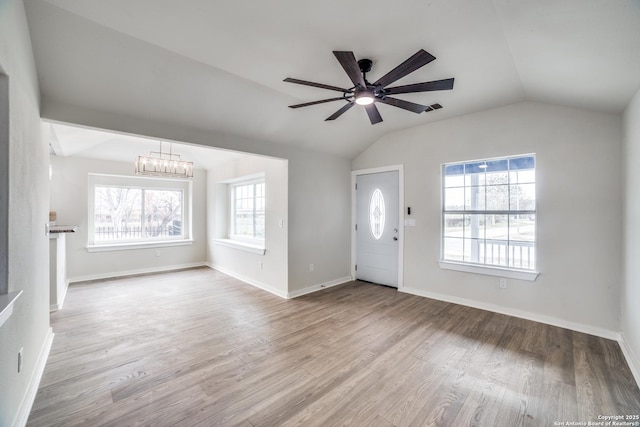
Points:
(198, 348)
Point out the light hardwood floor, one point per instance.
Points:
(197, 347)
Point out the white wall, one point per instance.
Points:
(242, 264)
(579, 200)
(631, 281)
(318, 193)
(69, 192)
(28, 245)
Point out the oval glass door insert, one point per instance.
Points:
(376, 214)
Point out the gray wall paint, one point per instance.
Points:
(631, 288)
(69, 192)
(28, 247)
(273, 274)
(4, 183)
(579, 202)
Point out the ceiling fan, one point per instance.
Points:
(367, 94)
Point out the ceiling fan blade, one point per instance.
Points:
(419, 59)
(340, 111)
(374, 114)
(322, 101)
(320, 85)
(405, 105)
(445, 84)
(350, 65)
(433, 107)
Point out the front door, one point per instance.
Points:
(377, 228)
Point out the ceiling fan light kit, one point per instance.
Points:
(364, 97)
(367, 94)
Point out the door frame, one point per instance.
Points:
(354, 175)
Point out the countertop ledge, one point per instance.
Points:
(6, 305)
(63, 229)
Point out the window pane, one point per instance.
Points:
(474, 250)
(474, 226)
(523, 197)
(475, 198)
(453, 225)
(495, 178)
(522, 176)
(117, 213)
(454, 199)
(497, 227)
(163, 213)
(527, 162)
(497, 197)
(500, 165)
(452, 249)
(496, 252)
(454, 170)
(454, 180)
(260, 226)
(522, 228)
(522, 231)
(249, 210)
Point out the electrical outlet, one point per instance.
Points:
(20, 359)
(311, 267)
(503, 283)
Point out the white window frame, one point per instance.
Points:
(258, 241)
(481, 268)
(99, 180)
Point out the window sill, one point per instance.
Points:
(242, 246)
(6, 305)
(137, 245)
(527, 275)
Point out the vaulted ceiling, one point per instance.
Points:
(220, 65)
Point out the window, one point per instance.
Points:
(489, 213)
(248, 210)
(132, 210)
(376, 214)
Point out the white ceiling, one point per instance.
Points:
(91, 143)
(219, 65)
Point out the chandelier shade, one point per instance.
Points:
(159, 163)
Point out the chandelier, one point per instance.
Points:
(159, 163)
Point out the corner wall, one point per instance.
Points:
(631, 279)
(28, 245)
(268, 271)
(579, 200)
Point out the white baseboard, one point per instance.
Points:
(319, 287)
(279, 292)
(34, 382)
(578, 327)
(249, 280)
(58, 306)
(116, 274)
(632, 359)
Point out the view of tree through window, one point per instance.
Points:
(133, 214)
(489, 212)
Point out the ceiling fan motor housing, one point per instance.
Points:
(365, 65)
